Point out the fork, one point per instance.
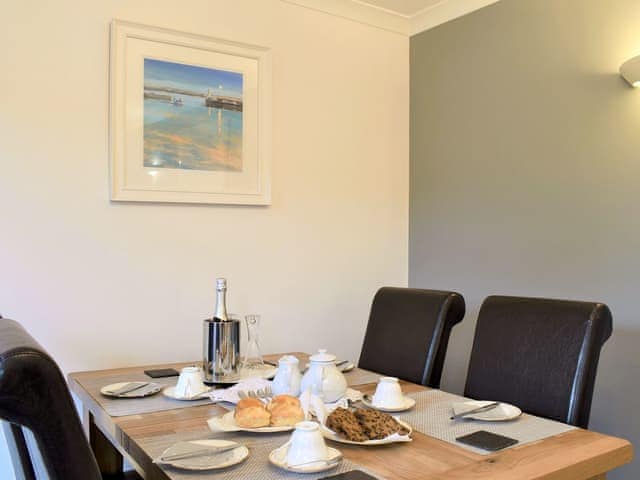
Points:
(260, 394)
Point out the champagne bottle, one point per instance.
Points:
(220, 313)
(221, 341)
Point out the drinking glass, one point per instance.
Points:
(253, 358)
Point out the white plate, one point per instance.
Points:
(206, 462)
(395, 438)
(227, 423)
(268, 372)
(171, 393)
(502, 413)
(407, 404)
(150, 389)
(278, 457)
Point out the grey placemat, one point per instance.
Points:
(359, 376)
(255, 467)
(433, 410)
(119, 407)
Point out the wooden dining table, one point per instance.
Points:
(575, 455)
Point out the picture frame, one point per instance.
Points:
(190, 118)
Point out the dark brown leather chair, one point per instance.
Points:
(408, 333)
(539, 354)
(34, 396)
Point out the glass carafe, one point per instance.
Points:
(252, 358)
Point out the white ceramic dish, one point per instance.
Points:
(227, 423)
(171, 393)
(278, 457)
(395, 438)
(408, 403)
(146, 391)
(206, 462)
(502, 413)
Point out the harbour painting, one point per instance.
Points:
(192, 117)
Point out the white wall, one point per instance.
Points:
(104, 285)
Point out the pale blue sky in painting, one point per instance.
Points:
(191, 77)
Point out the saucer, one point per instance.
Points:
(206, 462)
(171, 393)
(407, 404)
(146, 391)
(502, 413)
(278, 457)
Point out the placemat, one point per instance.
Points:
(255, 467)
(359, 376)
(432, 413)
(119, 407)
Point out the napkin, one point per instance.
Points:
(461, 407)
(231, 394)
(313, 405)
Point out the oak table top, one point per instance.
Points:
(575, 455)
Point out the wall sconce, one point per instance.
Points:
(630, 71)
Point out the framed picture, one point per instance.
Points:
(190, 118)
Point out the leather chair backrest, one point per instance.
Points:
(408, 333)
(539, 354)
(34, 395)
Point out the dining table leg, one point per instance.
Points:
(109, 459)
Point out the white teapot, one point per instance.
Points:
(323, 378)
(287, 379)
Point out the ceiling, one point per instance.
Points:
(406, 17)
(406, 8)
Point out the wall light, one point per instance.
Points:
(630, 71)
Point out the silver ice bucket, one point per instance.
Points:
(221, 361)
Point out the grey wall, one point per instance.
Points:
(525, 174)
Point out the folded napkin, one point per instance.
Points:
(231, 394)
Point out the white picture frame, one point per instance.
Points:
(235, 171)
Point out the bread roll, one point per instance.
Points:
(285, 411)
(251, 413)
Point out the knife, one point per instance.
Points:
(482, 409)
(129, 387)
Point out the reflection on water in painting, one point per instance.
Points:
(186, 125)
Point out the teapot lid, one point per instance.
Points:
(322, 356)
(288, 360)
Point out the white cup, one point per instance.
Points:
(306, 444)
(190, 382)
(388, 393)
